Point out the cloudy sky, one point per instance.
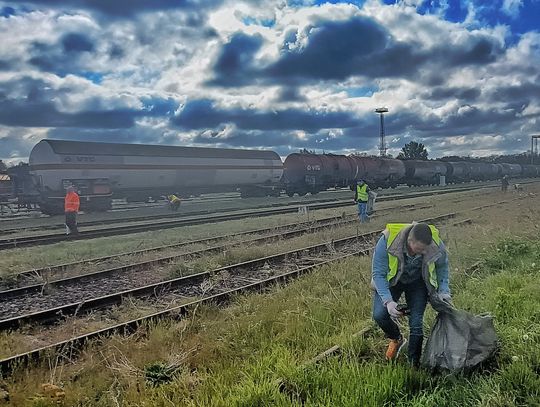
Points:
(460, 76)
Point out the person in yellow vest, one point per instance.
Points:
(361, 197)
(408, 259)
(174, 202)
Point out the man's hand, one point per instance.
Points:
(392, 309)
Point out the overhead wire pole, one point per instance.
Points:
(382, 145)
(534, 146)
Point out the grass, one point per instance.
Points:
(253, 352)
(17, 260)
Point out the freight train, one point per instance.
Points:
(313, 173)
(102, 171)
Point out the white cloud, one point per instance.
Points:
(512, 7)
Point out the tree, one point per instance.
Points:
(413, 151)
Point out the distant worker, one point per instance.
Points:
(409, 259)
(361, 197)
(504, 183)
(174, 202)
(71, 207)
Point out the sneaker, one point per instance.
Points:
(394, 347)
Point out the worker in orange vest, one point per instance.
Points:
(71, 207)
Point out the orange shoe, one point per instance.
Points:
(394, 347)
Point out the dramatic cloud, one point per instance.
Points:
(284, 75)
(124, 8)
(201, 114)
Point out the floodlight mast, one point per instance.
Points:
(382, 145)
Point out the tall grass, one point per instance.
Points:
(253, 353)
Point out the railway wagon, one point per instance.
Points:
(378, 172)
(102, 171)
(303, 173)
(312, 173)
(529, 170)
(484, 171)
(458, 171)
(511, 170)
(424, 172)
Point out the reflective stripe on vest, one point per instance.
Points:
(361, 192)
(393, 261)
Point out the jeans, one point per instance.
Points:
(416, 296)
(362, 212)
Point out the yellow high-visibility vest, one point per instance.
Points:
(394, 229)
(361, 193)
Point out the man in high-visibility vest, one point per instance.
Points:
(361, 197)
(174, 202)
(409, 259)
(71, 207)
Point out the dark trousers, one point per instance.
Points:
(71, 223)
(416, 296)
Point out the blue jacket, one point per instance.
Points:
(380, 271)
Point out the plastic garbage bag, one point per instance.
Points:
(370, 208)
(459, 340)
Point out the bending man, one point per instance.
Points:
(408, 259)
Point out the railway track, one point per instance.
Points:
(35, 279)
(6, 229)
(210, 286)
(132, 276)
(44, 239)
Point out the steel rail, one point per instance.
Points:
(53, 314)
(164, 216)
(121, 230)
(291, 229)
(73, 344)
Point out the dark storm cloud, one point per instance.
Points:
(334, 50)
(235, 60)
(268, 139)
(33, 106)
(201, 114)
(76, 42)
(479, 51)
(7, 65)
(45, 114)
(441, 93)
(337, 50)
(125, 8)
(290, 94)
(526, 91)
(62, 57)
(469, 119)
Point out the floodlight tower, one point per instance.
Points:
(534, 146)
(382, 146)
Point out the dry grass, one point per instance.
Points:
(234, 356)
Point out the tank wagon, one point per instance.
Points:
(102, 171)
(312, 173)
(530, 171)
(378, 172)
(511, 170)
(457, 172)
(424, 172)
